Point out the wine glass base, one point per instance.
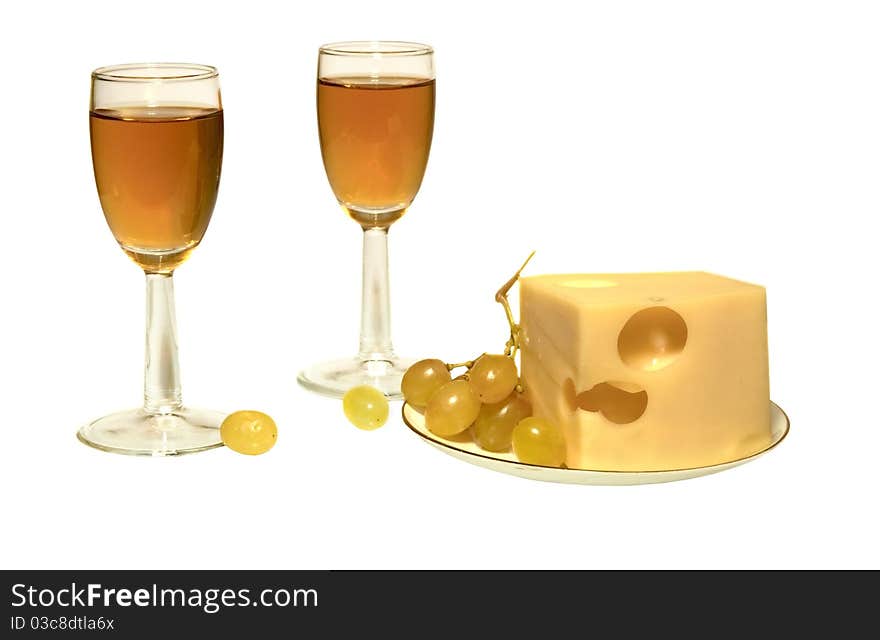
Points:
(138, 433)
(338, 376)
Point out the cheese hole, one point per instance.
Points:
(652, 338)
(588, 284)
(619, 402)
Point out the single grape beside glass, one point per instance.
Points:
(249, 432)
(365, 407)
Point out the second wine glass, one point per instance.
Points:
(376, 121)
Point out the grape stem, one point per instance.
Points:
(512, 344)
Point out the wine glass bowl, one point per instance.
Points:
(375, 104)
(157, 145)
(375, 125)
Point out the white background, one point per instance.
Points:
(736, 137)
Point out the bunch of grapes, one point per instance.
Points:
(486, 401)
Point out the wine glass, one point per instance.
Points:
(375, 121)
(157, 147)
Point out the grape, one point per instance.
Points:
(249, 432)
(493, 377)
(452, 408)
(365, 407)
(494, 426)
(422, 379)
(537, 441)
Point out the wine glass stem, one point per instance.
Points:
(375, 300)
(161, 371)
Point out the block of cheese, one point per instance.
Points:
(648, 371)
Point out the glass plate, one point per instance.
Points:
(507, 463)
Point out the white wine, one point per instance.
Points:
(375, 140)
(157, 171)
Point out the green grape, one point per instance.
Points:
(452, 408)
(422, 379)
(365, 407)
(537, 441)
(493, 377)
(249, 432)
(493, 429)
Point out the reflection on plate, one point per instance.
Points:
(507, 462)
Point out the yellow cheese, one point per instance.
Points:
(648, 371)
